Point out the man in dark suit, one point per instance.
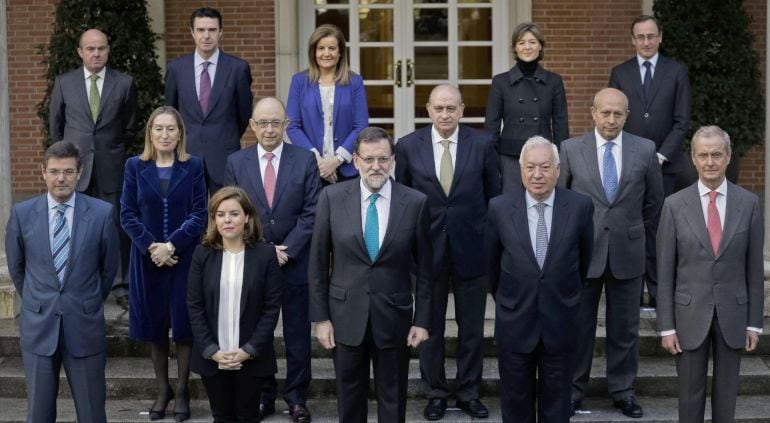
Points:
(62, 251)
(212, 91)
(711, 279)
(367, 233)
(539, 243)
(94, 107)
(283, 183)
(621, 174)
(457, 168)
(658, 92)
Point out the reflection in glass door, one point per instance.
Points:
(403, 48)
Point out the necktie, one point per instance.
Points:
(93, 97)
(713, 223)
(610, 172)
(541, 235)
(269, 181)
(445, 171)
(205, 89)
(61, 242)
(372, 228)
(647, 83)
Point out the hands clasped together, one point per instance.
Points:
(232, 360)
(162, 254)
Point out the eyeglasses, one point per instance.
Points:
(381, 160)
(57, 172)
(648, 37)
(276, 123)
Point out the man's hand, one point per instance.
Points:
(280, 252)
(752, 339)
(324, 332)
(670, 343)
(417, 336)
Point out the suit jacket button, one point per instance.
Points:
(521, 120)
(521, 100)
(272, 221)
(646, 115)
(535, 99)
(535, 118)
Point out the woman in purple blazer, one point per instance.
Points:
(327, 105)
(163, 211)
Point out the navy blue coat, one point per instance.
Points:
(147, 216)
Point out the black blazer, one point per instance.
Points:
(260, 305)
(526, 107)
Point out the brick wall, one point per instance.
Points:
(752, 176)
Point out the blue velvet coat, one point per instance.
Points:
(158, 295)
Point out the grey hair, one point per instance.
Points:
(538, 140)
(711, 131)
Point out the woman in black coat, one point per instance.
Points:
(233, 298)
(528, 100)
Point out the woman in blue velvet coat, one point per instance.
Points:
(163, 211)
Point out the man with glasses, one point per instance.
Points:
(457, 168)
(62, 250)
(370, 234)
(283, 183)
(658, 92)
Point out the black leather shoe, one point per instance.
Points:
(182, 406)
(300, 414)
(158, 409)
(474, 408)
(435, 408)
(629, 407)
(266, 409)
(573, 407)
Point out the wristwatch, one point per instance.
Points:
(340, 158)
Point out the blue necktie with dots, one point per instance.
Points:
(610, 172)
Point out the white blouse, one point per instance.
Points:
(230, 284)
(327, 100)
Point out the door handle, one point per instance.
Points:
(397, 72)
(409, 72)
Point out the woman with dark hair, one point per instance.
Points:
(327, 105)
(234, 297)
(528, 100)
(163, 211)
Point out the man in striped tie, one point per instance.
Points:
(62, 251)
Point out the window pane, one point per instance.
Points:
(475, 99)
(376, 24)
(474, 24)
(421, 95)
(475, 62)
(431, 63)
(377, 63)
(430, 24)
(337, 17)
(380, 100)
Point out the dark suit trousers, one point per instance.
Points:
(651, 230)
(622, 345)
(470, 301)
(540, 377)
(120, 285)
(391, 371)
(86, 380)
(231, 396)
(296, 336)
(692, 368)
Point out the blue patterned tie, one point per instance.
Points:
(610, 172)
(541, 235)
(61, 242)
(372, 228)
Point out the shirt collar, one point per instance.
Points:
(600, 141)
(213, 59)
(101, 73)
(704, 190)
(436, 138)
(53, 203)
(654, 60)
(384, 191)
(276, 152)
(531, 201)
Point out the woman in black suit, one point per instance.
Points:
(528, 100)
(233, 298)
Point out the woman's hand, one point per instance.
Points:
(328, 168)
(161, 254)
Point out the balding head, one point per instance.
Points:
(94, 50)
(268, 121)
(445, 108)
(270, 104)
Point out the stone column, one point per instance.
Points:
(7, 292)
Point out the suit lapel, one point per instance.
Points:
(628, 155)
(188, 80)
(81, 218)
(397, 207)
(592, 166)
(108, 86)
(178, 174)
(425, 152)
(353, 207)
(693, 214)
(461, 155)
(521, 225)
(149, 172)
(633, 74)
(79, 84)
(248, 275)
(285, 168)
(220, 79)
(559, 218)
(251, 174)
(41, 231)
(661, 69)
(734, 214)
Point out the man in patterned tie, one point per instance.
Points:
(62, 251)
(539, 244)
(369, 233)
(711, 279)
(621, 174)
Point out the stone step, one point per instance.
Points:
(133, 378)
(749, 409)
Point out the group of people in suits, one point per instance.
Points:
(223, 239)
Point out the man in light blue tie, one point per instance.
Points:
(63, 251)
(369, 233)
(621, 174)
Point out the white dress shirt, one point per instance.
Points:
(382, 204)
(229, 316)
(642, 70)
(99, 82)
(616, 153)
(263, 161)
(213, 60)
(438, 148)
(69, 214)
(532, 217)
